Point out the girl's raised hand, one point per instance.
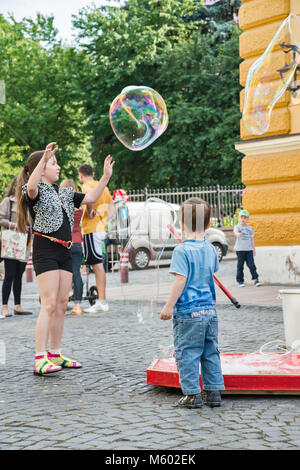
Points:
(49, 151)
(108, 167)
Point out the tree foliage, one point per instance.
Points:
(203, 94)
(41, 103)
(185, 50)
(169, 47)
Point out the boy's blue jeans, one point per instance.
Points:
(195, 343)
(247, 256)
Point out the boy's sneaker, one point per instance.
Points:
(99, 306)
(191, 401)
(213, 398)
(257, 283)
(241, 284)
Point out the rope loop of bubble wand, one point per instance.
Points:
(129, 244)
(161, 250)
(277, 343)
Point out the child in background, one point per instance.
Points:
(245, 249)
(192, 305)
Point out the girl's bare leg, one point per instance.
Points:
(57, 321)
(49, 286)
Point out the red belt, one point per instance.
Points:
(55, 240)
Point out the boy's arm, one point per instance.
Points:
(176, 291)
(237, 233)
(252, 241)
(253, 244)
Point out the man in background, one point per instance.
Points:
(93, 227)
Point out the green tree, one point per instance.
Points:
(122, 47)
(170, 47)
(41, 100)
(217, 18)
(11, 158)
(203, 102)
(184, 50)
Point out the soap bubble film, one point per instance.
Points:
(151, 218)
(265, 85)
(2, 92)
(138, 116)
(166, 351)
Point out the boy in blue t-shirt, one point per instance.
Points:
(192, 304)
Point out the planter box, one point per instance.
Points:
(229, 236)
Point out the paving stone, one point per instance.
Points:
(108, 404)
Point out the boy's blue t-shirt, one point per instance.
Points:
(197, 260)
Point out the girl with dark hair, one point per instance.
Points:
(52, 212)
(13, 268)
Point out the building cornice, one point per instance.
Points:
(268, 145)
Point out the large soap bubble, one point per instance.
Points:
(265, 85)
(138, 116)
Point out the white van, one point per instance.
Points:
(147, 228)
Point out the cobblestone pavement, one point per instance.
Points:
(108, 405)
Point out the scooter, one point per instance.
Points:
(91, 293)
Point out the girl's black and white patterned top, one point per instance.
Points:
(52, 211)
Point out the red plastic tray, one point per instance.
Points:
(244, 372)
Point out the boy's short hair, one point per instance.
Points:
(195, 214)
(86, 170)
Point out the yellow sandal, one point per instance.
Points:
(42, 366)
(63, 361)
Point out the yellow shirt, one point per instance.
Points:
(98, 223)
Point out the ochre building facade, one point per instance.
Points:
(271, 163)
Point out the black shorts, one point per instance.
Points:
(51, 257)
(92, 248)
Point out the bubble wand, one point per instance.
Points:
(230, 297)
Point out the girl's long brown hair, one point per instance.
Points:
(22, 212)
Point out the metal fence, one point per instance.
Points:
(224, 200)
